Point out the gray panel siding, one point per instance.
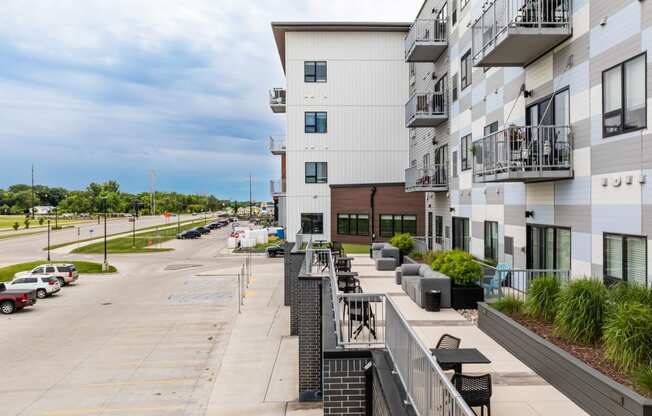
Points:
(646, 213)
(577, 217)
(515, 215)
(616, 156)
(624, 50)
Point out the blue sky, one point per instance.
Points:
(95, 90)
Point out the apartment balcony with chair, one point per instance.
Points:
(426, 109)
(517, 32)
(524, 154)
(277, 100)
(428, 179)
(277, 188)
(276, 145)
(426, 40)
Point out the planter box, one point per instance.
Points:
(591, 390)
(466, 297)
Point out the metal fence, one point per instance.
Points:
(429, 390)
(501, 15)
(277, 187)
(276, 145)
(429, 177)
(523, 149)
(430, 243)
(427, 31)
(244, 279)
(517, 282)
(426, 105)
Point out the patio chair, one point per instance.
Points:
(496, 281)
(475, 390)
(448, 342)
(360, 311)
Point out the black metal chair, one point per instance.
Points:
(449, 342)
(360, 311)
(475, 390)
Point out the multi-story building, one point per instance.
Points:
(344, 156)
(529, 132)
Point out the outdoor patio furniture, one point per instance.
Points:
(418, 279)
(343, 264)
(360, 312)
(475, 390)
(454, 358)
(448, 342)
(347, 282)
(495, 282)
(386, 256)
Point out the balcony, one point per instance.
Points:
(429, 179)
(524, 154)
(277, 188)
(517, 32)
(276, 146)
(426, 110)
(277, 100)
(426, 41)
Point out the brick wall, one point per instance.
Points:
(286, 274)
(344, 386)
(309, 319)
(295, 261)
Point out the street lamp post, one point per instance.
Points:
(56, 218)
(105, 265)
(48, 240)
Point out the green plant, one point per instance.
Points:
(430, 256)
(16, 226)
(630, 292)
(416, 255)
(459, 266)
(542, 298)
(628, 335)
(26, 222)
(508, 305)
(644, 378)
(581, 311)
(40, 221)
(403, 242)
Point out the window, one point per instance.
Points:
(455, 164)
(50, 269)
(465, 70)
(463, 3)
(625, 259)
(353, 224)
(443, 13)
(391, 225)
(453, 12)
(40, 270)
(439, 227)
(491, 240)
(461, 233)
(312, 223)
(314, 71)
(624, 97)
(316, 122)
(491, 128)
(454, 87)
(413, 73)
(316, 172)
(426, 160)
(548, 247)
(466, 152)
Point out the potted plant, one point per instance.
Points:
(404, 244)
(464, 273)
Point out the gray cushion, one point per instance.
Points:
(442, 284)
(392, 252)
(410, 269)
(386, 263)
(377, 246)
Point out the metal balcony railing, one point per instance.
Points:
(277, 100)
(276, 146)
(428, 179)
(426, 109)
(426, 40)
(515, 32)
(529, 153)
(517, 282)
(422, 244)
(277, 188)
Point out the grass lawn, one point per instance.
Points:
(260, 248)
(7, 273)
(145, 242)
(356, 248)
(7, 222)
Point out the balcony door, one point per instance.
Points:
(461, 232)
(548, 248)
(548, 143)
(441, 165)
(439, 99)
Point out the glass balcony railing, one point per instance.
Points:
(428, 179)
(426, 40)
(277, 100)
(277, 187)
(426, 110)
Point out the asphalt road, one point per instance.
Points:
(146, 341)
(28, 248)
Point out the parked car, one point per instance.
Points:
(65, 273)
(43, 285)
(12, 300)
(202, 230)
(189, 235)
(274, 251)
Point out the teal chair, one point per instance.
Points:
(496, 281)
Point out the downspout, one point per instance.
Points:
(373, 211)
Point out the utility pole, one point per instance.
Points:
(32, 198)
(48, 240)
(152, 191)
(250, 200)
(105, 265)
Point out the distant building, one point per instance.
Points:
(43, 210)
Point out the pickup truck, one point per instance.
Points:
(14, 300)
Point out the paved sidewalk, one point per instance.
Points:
(517, 390)
(259, 370)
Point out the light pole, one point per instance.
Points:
(133, 223)
(105, 265)
(48, 240)
(56, 218)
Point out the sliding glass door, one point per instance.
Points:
(548, 247)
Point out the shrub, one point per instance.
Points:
(542, 298)
(630, 292)
(26, 222)
(459, 266)
(430, 256)
(416, 255)
(403, 242)
(581, 310)
(644, 378)
(40, 221)
(509, 305)
(16, 226)
(628, 335)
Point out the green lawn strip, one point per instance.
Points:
(259, 248)
(144, 242)
(125, 233)
(356, 248)
(7, 273)
(7, 223)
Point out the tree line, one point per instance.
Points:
(18, 199)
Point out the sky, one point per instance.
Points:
(93, 90)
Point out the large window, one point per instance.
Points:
(314, 71)
(625, 258)
(353, 224)
(454, 87)
(316, 122)
(455, 164)
(466, 152)
(624, 97)
(312, 223)
(316, 172)
(466, 68)
(461, 234)
(491, 241)
(439, 227)
(391, 225)
(453, 12)
(548, 248)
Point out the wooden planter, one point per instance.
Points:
(466, 297)
(591, 390)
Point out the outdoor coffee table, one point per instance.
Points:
(456, 357)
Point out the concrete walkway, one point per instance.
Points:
(517, 390)
(258, 374)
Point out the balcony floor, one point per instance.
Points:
(426, 121)
(521, 46)
(425, 51)
(278, 108)
(432, 188)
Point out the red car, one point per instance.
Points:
(14, 300)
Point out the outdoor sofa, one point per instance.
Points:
(386, 256)
(417, 279)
